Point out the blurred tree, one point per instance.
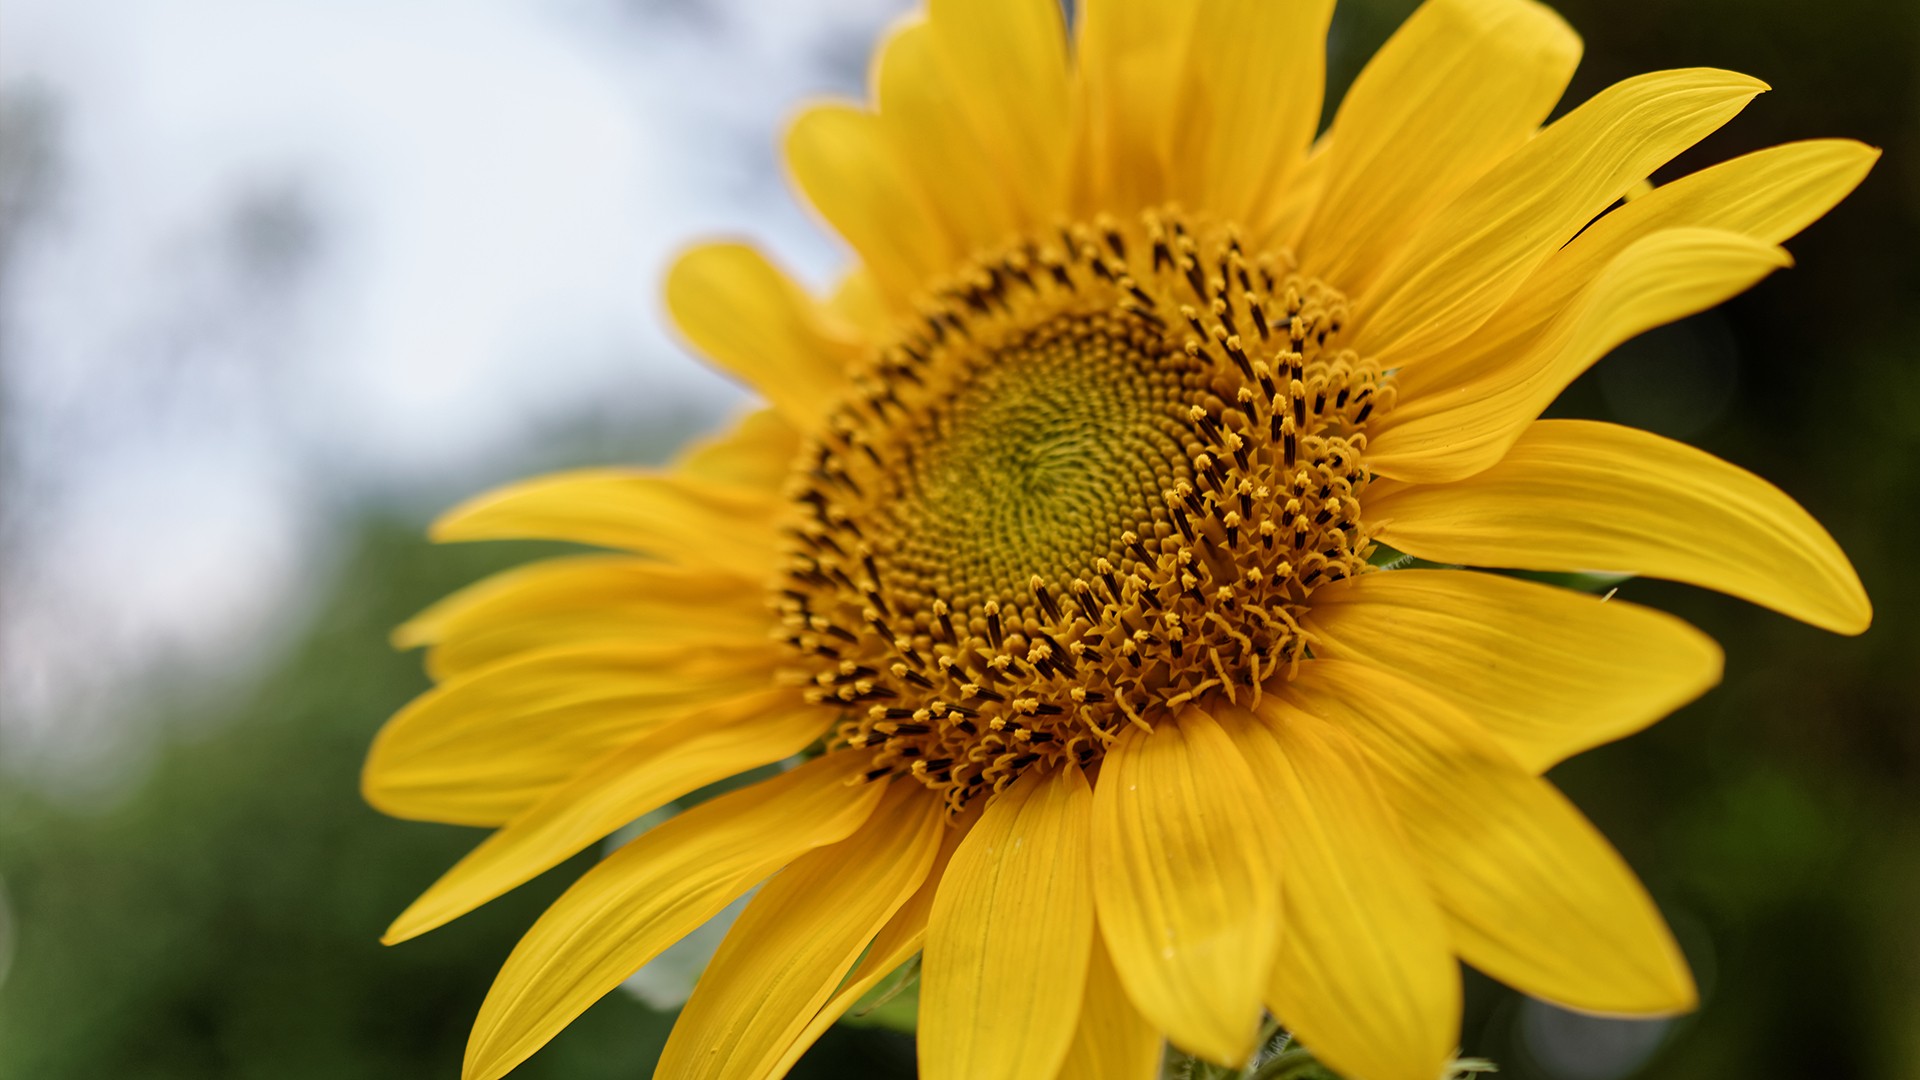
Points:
(223, 919)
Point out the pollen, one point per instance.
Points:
(1098, 476)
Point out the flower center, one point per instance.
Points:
(1097, 479)
(1055, 443)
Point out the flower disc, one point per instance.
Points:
(1097, 478)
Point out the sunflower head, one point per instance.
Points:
(1050, 572)
(1095, 477)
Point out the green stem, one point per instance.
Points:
(1296, 1064)
(1269, 1030)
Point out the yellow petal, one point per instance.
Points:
(1290, 206)
(691, 523)
(1246, 116)
(1112, 1041)
(1548, 672)
(859, 304)
(646, 774)
(1476, 252)
(798, 936)
(482, 748)
(1768, 195)
(653, 892)
(1008, 59)
(584, 599)
(1446, 432)
(1366, 975)
(758, 453)
(744, 314)
(895, 944)
(1187, 889)
(844, 163)
(923, 113)
(1533, 894)
(1130, 62)
(1574, 494)
(1009, 936)
(1458, 87)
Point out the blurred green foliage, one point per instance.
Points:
(223, 921)
(220, 920)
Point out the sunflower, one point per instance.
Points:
(1067, 557)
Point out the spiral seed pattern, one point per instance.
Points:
(1098, 477)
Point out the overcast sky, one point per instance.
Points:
(288, 252)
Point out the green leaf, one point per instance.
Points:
(894, 1003)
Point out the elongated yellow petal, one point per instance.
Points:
(744, 314)
(484, 747)
(844, 163)
(859, 303)
(1187, 889)
(1366, 975)
(1768, 195)
(653, 892)
(585, 599)
(1479, 249)
(1548, 672)
(1459, 86)
(757, 453)
(1009, 57)
(1112, 1041)
(1279, 222)
(1534, 895)
(662, 765)
(923, 115)
(689, 523)
(1454, 431)
(895, 944)
(1247, 117)
(1009, 936)
(1574, 494)
(785, 956)
(1129, 66)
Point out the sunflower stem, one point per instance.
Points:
(1295, 1064)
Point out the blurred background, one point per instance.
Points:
(280, 280)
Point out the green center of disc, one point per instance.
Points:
(1045, 451)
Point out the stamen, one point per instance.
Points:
(1072, 446)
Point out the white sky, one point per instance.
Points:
(305, 248)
